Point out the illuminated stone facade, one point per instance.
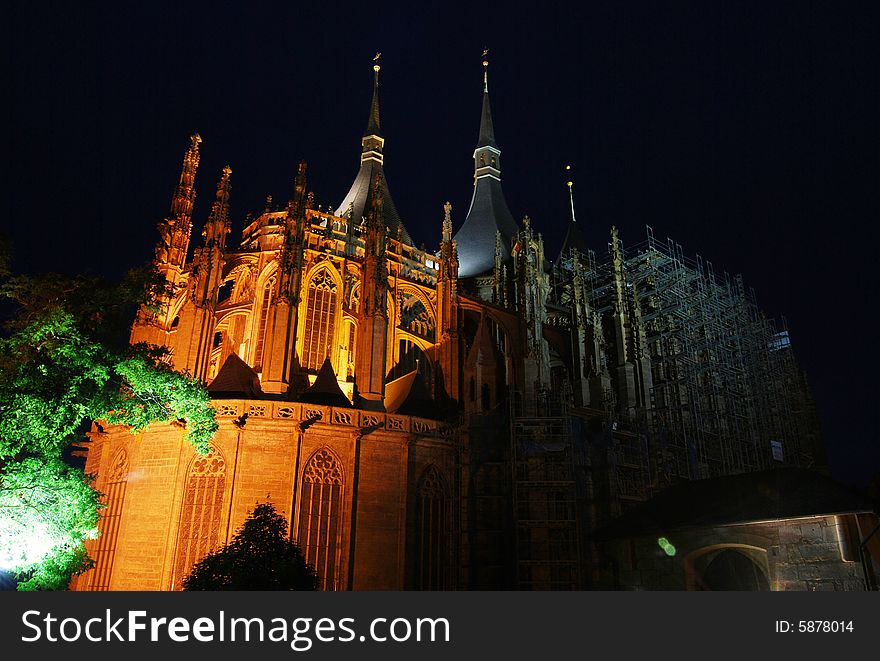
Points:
(447, 419)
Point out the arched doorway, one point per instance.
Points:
(731, 569)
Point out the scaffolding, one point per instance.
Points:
(722, 395)
(546, 503)
(725, 396)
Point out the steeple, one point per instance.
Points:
(373, 126)
(218, 224)
(357, 203)
(175, 230)
(488, 213)
(487, 131)
(184, 195)
(573, 240)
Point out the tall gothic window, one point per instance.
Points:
(319, 516)
(261, 330)
(320, 317)
(199, 530)
(432, 511)
(352, 340)
(105, 546)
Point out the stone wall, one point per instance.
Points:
(806, 554)
(263, 462)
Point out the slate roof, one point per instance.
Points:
(360, 199)
(781, 493)
(487, 214)
(325, 390)
(574, 239)
(235, 379)
(487, 130)
(409, 395)
(373, 126)
(475, 239)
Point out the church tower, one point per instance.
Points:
(357, 203)
(488, 214)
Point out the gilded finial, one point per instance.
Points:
(570, 185)
(485, 69)
(376, 66)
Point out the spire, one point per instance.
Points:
(488, 212)
(373, 126)
(487, 132)
(357, 203)
(573, 240)
(185, 195)
(372, 142)
(175, 230)
(218, 223)
(204, 276)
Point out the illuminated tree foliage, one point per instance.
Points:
(46, 509)
(63, 362)
(259, 557)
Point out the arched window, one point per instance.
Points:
(264, 317)
(320, 319)
(432, 506)
(105, 546)
(415, 317)
(199, 530)
(320, 512)
(352, 344)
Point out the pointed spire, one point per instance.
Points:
(488, 212)
(218, 224)
(358, 198)
(487, 131)
(184, 194)
(373, 126)
(447, 221)
(574, 240)
(176, 228)
(220, 210)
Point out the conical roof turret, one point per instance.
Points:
(358, 200)
(488, 213)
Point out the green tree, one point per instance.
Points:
(63, 362)
(259, 557)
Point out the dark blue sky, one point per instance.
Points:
(745, 131)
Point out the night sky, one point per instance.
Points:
(746, 132)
